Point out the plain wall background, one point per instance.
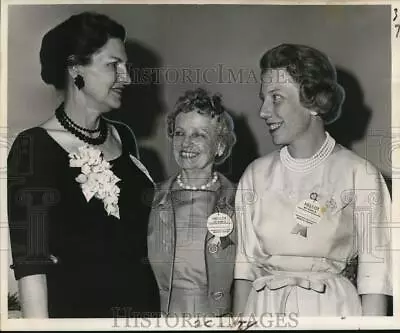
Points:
(356, 38)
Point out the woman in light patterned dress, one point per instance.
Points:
(305, 211)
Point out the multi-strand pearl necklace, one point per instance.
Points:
(307, 164)
(195, 188)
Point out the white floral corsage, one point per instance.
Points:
(96, 178)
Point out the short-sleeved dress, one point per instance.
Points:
(296, 267)
(96, 264)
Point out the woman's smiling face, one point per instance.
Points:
(285, 116)
(195, 141)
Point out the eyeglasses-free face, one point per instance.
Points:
(287, 119)
(106, 76)
(195, 141)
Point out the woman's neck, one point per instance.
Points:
(196, 177)
(81, 114)
(308, 144)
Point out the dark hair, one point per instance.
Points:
(201, 101)
(73, 42)
(315, 74)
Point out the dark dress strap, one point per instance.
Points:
(128, 138)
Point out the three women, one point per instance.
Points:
(78, 223)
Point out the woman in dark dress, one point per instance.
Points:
(78, 197)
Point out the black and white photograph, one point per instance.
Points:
(185, 166)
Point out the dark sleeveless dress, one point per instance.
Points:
(96, 265)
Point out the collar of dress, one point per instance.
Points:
(225, 194)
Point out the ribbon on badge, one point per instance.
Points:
(219, 225)
(307, 213)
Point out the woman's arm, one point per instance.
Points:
(374, 305)
(374, 278)
(244, 273)
(33, 296)
(25, 184)
(240, 295)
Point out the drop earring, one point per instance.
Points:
(79, 82)
(219, 151)
(314, 113)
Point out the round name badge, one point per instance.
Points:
(219, 224)
(308, 212)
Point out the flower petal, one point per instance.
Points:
(81, 178)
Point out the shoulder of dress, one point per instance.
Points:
(227, 191)
(263, 162)
(117, 123)
(349, 160)
(31, 132)
(225, 182)
(119, 126)
(126, 135)
(164, 185)
(32, 137)
(33, 156)
(162, 190)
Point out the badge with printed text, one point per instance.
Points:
(307, 213)
(219, 225)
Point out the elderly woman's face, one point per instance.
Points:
(106, 76)
(281, 109)
(195, 141)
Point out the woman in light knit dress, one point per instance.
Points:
(308, 209)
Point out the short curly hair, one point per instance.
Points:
(315, 74)
(73, 42)
(201, 101)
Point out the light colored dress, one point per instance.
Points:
(189, 292)
(202, 280)
(296, 269)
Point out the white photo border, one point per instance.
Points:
(154, 324)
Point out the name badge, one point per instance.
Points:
(219, 225)
(307, 213)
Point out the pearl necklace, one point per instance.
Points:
(195, 188)
(307, 164)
